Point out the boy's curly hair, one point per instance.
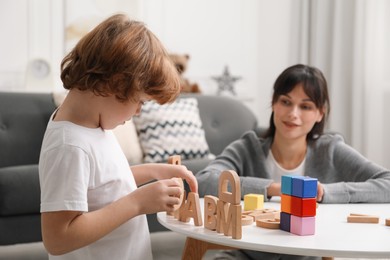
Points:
(121, 57)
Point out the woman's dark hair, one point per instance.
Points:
(314, 85)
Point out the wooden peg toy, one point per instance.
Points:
(264, 214)
(268, 223)
(176, 160)
(361, 218)
(246, 220)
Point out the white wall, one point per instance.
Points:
(246, 36)
(251, 37)
(32, 30)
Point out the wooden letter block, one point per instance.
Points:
(304, 187)
(285, 203)
(302, 226)
(210, 212)
(303, 207)
(229, 219)
(182, 198)
(253, 201)
(176, 159)
(191, 209)
(222, 211)
(388, 222)
(233, 197)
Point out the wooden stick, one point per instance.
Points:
(356, 218)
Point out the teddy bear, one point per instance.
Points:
(181, 63)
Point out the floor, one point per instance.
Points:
(166, 246)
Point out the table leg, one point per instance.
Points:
(194, 249)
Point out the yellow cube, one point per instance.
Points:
(253, 201)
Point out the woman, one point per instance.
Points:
(295, 143)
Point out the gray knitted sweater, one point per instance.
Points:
(347, 176)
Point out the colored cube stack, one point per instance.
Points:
(298, 204)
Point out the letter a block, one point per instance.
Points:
(253, 201)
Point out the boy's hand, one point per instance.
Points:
(157, 196)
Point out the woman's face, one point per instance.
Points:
(295, 114)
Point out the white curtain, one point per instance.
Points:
(349, 41)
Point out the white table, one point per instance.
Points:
(334, 237)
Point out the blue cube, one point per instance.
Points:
(285, 221)
(304, 187)
(286, 183)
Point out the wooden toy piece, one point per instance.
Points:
(246, 220)
(229, 219)
(176, 159)
(191, 209)
(303, 207)
(264, 214)
(253, 201)
(268, 223)
(304, 187)
(361, 218)
(388, 222)
(302, 226)
(222, 212)
(210, 209)
(181, 184)
(285, 221)
(233, 197)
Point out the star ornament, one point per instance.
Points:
(226, 82)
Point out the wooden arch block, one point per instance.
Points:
(233, 197)
(176, 160)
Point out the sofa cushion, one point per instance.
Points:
(224, 119)
(19, 190)
(23, 121)
(170, 129)
(128, 140)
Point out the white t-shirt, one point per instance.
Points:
(278, 171)
(84, 169)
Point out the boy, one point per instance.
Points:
(91, 206)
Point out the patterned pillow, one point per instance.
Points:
(170, 129)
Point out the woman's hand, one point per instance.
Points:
(320, 192)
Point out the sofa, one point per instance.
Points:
(23, 120)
